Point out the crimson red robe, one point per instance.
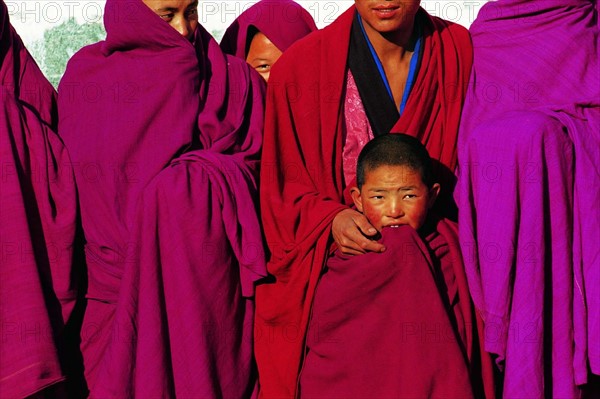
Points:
(302, 177)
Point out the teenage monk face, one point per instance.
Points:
(394, 195)
(262, 54)
(182, 15)
(387, 16)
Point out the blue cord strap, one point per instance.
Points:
(412, 73)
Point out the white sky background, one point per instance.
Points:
(32, 17)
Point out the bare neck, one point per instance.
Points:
(397, 45)
(394, 50)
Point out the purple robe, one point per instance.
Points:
(165, 136)
(37, 224)
(529, 192)
(282, 21)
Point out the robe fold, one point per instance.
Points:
(37, 224)
(302, 179)
(282, 21)
(165, 136)
(529, 189)
(395, 324)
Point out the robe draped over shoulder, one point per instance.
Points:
(166, 138)
(302, 178)
(528, 192)
(37, 228)
(396, 324)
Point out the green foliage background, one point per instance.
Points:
(62, 41)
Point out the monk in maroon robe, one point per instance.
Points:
(380, 67)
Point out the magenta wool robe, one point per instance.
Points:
(37, 224)
(165, 136)
(529, 192)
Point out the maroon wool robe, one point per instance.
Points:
(302, 178)
(397, 324)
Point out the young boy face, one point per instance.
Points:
(392, 196)
(262, 55)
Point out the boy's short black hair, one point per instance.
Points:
(395, 150)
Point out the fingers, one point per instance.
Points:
(363, 224)
(350, 251)
(358, 242)
(355, 243)
(372, 246)
(348, 246)
(365, 229)
(347, 230)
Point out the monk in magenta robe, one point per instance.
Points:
(165, 132)
(528, 193)
(37, 227)
(264, 31)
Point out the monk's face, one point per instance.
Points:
(262, 55)
(182, 15)
(392, 196)
(387, 16)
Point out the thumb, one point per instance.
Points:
(363, 224)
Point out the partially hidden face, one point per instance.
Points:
(262, 54)
(387, 16)
(392, 196)
(182, 15)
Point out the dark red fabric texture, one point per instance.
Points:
(380, 326)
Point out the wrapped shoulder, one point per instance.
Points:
(82, 58)
(298, 58)
(237, 64)
(459, 31)
(454, 29)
